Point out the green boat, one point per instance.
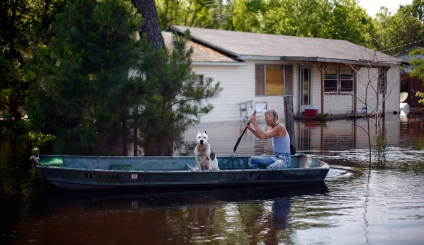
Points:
(147, 172)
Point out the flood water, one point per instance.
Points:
(352, 206)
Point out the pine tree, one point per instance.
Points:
(175, 102)
(84, 93)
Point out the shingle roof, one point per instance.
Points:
(200, 53)
(255, 46)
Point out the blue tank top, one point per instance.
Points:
(281, 145)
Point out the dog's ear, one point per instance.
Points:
(205, 132)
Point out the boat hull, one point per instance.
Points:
(172, 172)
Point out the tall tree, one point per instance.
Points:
(395, 33)
(23, 26)
(178, 98)
(84, 92)
(418, 69)
(213, 14)
(151, 27)
(417, 9)
(350, 22)
(246, 15)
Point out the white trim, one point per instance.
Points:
(258, 57)
(200, 63)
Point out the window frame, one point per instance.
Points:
(331, 77)
(344, 82)
(346, 78)
(200, 82)
(285, 83)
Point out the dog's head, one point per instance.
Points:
(202, 139)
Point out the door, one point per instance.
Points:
(305, 87)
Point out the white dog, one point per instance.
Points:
(205, 157)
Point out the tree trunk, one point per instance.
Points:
(151, 27)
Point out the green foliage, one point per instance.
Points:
(23, 25)
(418, 69)
(39, 139)
(322, 117)
(83, 92)
(421, 95)
(174, 103)
(394, 33)
(337, 19)
(12, 89)
(351, 23)
(246, 15)
(87, 99)
(381, 148)
(15, 131)
(213, 14)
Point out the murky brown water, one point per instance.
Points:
(377, 207)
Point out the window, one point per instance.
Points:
(382, 81)
(274, 79)
(332, 82)
(200, 81)
(346, 80)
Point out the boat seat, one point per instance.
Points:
(192, 167)
(52, 161)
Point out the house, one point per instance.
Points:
(257, 71)
(410, 84)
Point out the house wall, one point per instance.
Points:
(238, 81)
(238, 86)
(393, 90)
(392, 94)
(336, 104)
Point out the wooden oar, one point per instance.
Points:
(244, 131)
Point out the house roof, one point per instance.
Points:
(255, 46)
(200, 53)
(404, 55)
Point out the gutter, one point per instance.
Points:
(211, 63)
(319, 59)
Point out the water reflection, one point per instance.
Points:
(280, 213)
(343, 139)
(167, 217)
(350, 208)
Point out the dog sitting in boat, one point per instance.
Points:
(205, 157)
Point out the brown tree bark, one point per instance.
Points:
(151, 27)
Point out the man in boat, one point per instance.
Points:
(280, 142)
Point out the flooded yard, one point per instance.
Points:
(352, 206)
(341, 139)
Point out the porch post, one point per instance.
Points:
(288, 116)
(322, 70)
(355, 88)
(385, 70)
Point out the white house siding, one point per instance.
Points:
(333, 103)
(336, 104)
(276, 102)
(393, 90)
(238, 82)
(238, 85)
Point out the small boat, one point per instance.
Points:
(146, 172)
